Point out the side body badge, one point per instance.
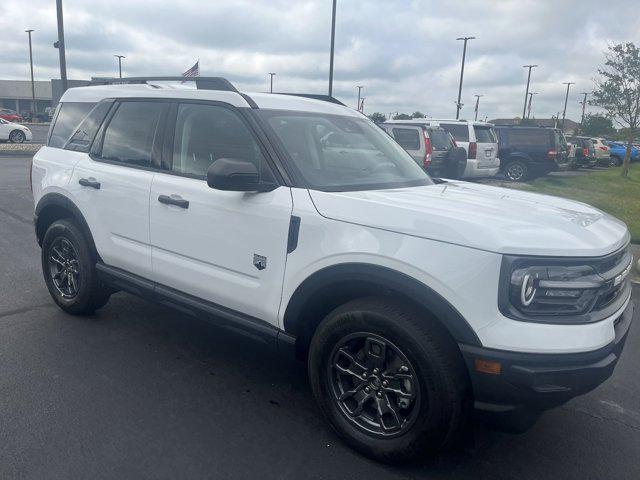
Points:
(259, 261)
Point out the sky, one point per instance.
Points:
(404, 53)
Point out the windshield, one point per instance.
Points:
(341, 153)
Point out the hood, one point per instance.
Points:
(479, 216)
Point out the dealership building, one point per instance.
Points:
(16, 94)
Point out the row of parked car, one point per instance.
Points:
(26, 116)
(468, 149)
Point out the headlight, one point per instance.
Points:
(563, 290)
(553, 290)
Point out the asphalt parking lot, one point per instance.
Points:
(140, 391)
(39, 132)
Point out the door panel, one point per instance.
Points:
(208, 248)
(117, 213)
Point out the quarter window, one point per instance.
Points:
(408, 138)
(130, 134)
(206, 133)
(69, 117)
(81, 140)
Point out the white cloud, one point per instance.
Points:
(403, 52)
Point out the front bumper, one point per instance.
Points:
(536, 382)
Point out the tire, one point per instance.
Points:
(516, 171)
(68, 266)
(431, 420)
(17, 136)
(615, 161)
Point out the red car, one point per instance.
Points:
(10, 115)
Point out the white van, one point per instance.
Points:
(477, 138)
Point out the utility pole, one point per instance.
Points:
(584, 104)
(566, 98)
(361, 109)
(531, 94)
(359, 87)
(271, 75)
(477, 103)
(333, 42)
(526, 95)
(60, 46)
(464, 54)
(33, 87)
(120, 57)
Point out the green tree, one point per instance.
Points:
(597, 125)
(402, 116)
(618, 91)
(377, 117)
(418, 114)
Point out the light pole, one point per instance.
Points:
(60, 46)
(524, 108)
(359, 87)
(271, 75)
(584, 104)
(33, 87)
(531, 94)
(464, 54)
(566, 98)
(120, 57)
(333, 41)
(477, 104)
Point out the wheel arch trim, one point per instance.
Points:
(368, 274)
(58, 200)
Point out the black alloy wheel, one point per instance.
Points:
(374, 385)
(64, 267)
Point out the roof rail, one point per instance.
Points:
(315, 96)
(202, 83)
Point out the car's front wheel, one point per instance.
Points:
(388, 379)
(17, 136)
(615, 161)
(69, 270)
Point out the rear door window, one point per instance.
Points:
(67, 120)
(459, 131)
(484, 134)
(130, 135)
(408, 138)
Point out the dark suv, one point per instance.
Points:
(526, 152)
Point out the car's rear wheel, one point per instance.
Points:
(17, 136)
(516, 171)
(69, 270)
(615, 161)
(388, 380)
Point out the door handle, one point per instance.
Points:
(174, 200)
(89, 182)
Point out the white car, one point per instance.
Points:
(477, 138)
(602, 151)
(412, 301)
(14, 132)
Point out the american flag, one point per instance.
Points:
(193, 71)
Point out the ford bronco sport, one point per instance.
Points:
(411, 301)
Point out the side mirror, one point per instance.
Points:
(236, 175)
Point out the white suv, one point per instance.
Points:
(411, 301)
